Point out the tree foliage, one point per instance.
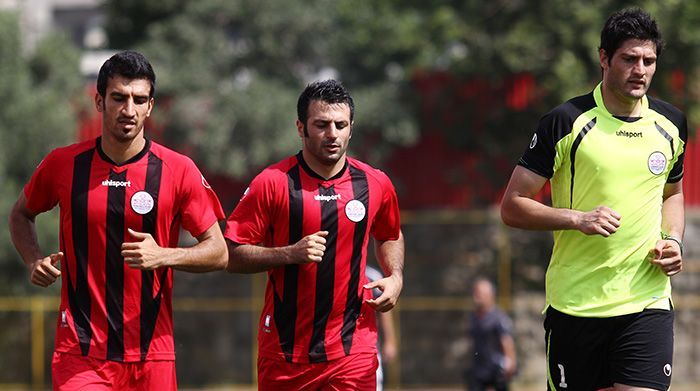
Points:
(230, 71)
(38, 113)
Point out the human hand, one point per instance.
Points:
(144, 253)
(44, 272)
(667, 256)
(310, 248)
(601, 221)
(391, 289)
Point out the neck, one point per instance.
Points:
(121, 151)
(324, 170)
(619, 105)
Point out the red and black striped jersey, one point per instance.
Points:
(315, 312)
(108, 310)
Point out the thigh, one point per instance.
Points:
(576, 352)
(73, 372)
(353, 372)
(642, 351)
(276, 375)
(149, 375)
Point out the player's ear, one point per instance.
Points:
(301, 131)
(99, 102)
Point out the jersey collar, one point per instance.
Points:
(137, 157)
(313, 174)
(598, 96)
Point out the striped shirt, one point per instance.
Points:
(315, 312)
(108, 310)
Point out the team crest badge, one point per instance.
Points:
(355, 210)
(657, 163)
(142, 202)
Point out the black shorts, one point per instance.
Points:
(585, 354)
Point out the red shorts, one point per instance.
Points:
(353, 372)
(74, 372)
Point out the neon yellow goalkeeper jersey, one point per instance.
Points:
(593, 158)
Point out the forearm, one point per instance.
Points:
(673, 216)
(248, 258)
(386, 321)
(207, 255)
(23, 234)
(390, 255)
(519, 211)
(508, 347)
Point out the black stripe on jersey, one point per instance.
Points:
(286, 306)
(325, 276)
(574, 148)
(667, 137)
(79, 298)
(150, 306)
(354, 302)
(114, 268)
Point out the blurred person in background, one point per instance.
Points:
(387, 349)
(614, 159)
(493, 357)
(122, 200)
(307, 221)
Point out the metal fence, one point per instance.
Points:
(216, 314)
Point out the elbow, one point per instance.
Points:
(234, 263)
(221, 260)
(507, 215)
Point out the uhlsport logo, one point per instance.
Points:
(657, 163)
(142, 202)
(327, 198)
(205, 183)
(111, 183)
(625, 133)
(667, 370)
(533, 142)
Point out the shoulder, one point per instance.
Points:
(373, 174)
(170, 158)
(278, 171)
(561, 118)
(668, 110)
(274, 176)
(69, 152)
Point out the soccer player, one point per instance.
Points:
(614, 158)
(122, 199)
(307, 221)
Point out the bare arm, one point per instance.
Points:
(23, 232)
(207, 255)
(248, 258)
(508, 346)
(390, 254)
(520, 210)
(667, 252)
(386, 325)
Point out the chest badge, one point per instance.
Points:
(355, 210)
(142, 202)
(657, 163)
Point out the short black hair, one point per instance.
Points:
(129, 64)
(329, 91)
(629, 23)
